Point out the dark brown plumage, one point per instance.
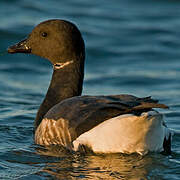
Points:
(86, 112)
(61, 43)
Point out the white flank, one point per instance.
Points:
(126, 134)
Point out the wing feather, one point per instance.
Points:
(85, 112)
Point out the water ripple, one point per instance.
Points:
(132, 47)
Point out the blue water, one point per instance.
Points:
(132, 47)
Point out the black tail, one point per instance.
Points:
(167, 145)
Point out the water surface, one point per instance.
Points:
(132, 47)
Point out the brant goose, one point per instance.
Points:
(104, 124)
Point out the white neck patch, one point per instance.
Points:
(62, 65)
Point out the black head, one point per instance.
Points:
(56, 40)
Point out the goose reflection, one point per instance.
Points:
(104, 166)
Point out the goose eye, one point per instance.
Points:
(44, 34)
